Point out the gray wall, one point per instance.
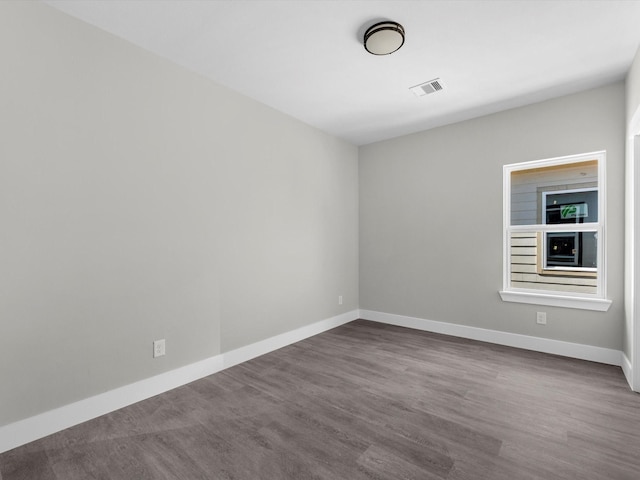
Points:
(140, 201)
(431, 216)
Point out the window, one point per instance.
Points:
(554, 232)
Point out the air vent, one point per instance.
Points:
(426, 88)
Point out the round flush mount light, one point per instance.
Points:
(384, 38)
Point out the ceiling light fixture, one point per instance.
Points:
(384, 38)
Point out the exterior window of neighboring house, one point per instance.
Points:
(554, 232)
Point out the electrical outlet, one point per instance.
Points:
(541, 318)
(339, 299)
(158, 348)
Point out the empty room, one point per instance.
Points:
(319, 239)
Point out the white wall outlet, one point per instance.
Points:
(158, 348)
(339, 299)
(541, 318)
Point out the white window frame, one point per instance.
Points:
(597, 301)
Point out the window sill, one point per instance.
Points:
(598, 304)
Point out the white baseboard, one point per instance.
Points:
(243, 354)
(627, 369)
(557, 347)
(38, 426)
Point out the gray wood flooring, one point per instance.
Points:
(364, 401)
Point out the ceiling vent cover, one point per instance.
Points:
(426, 88)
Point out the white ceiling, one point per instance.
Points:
(306, 58)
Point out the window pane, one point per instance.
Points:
(573, 186)
(569, 268)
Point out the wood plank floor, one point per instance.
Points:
(364, 401)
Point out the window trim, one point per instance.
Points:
(597, 301)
